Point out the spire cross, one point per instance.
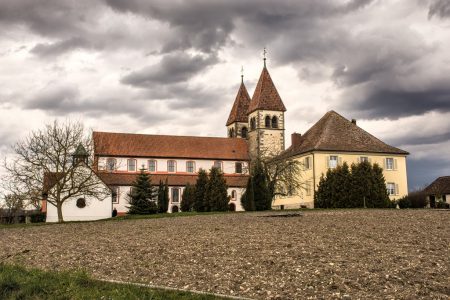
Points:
(242, 74)
(264, 53)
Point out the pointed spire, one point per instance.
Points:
(266, 95)
(238, 112)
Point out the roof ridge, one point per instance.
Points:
(165, 135)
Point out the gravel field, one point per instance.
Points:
(341, 254)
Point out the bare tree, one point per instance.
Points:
(43, 164)
(11, 207)
(284, 175)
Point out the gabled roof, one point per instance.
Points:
(266, 95)
(238, 112)
(439, 186)
(335, 133)
(169, 146)
(113, 179)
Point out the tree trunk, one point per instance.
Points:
(60, 215)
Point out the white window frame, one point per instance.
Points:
(108, 165)
(116, 190)
(236, 168)
(128, 165)
(391, 188)
(364, 159)
(220, 163)
(193, 166)
(172, 195)
(392, 166)
(152, 161)
(330, 160)
(174, 166)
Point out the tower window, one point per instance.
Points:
(244, 132)
(267, 122)
(252, 123)
(274, 122)
(231, 133)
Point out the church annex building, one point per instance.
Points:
(255, 127)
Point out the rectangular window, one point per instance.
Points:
(111, 164)
(308, 188)
(333, 162)
(190, 167)
(363, 159)
(115, 194)
(391, 188)
(307, 163)
(132, 165)
(152, 165)
(218, 165)
(238, 167)
(171, 166)
(389, 163)
(175, 194)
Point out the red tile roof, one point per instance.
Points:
(238, 112)
(335, 133)
(266, 95)
(439, 186)
(169, 146)
(126, 179)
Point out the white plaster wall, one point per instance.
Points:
(228, 166)
(95, 209)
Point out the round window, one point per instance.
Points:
(81, 202)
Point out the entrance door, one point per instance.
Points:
(174, 209)
(232, 207)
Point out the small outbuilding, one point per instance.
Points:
(438, 193)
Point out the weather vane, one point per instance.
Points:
(264, 53)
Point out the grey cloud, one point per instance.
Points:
(172, 68)
(418, 178)
(415, 138)
(439, 8)
(60, 47)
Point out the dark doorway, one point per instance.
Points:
(232, 207)
(174, 209)
(433, 201)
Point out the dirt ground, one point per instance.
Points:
(342, 254)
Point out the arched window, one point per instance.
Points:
(252, 123)
(231, 132)
(267, 122)
(244, 132)
(274, 122)
(233, 195)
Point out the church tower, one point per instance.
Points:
(266, 118)
(237, 124)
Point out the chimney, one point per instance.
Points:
(354, 121)
(295, 138)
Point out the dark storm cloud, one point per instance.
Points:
(439, 8)
(422, 172)
(172, 68)
(416, 138)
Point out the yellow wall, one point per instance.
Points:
(397, 176)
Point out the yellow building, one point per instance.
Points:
(332, 141)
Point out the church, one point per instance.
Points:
(255, 128)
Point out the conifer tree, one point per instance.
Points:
(216, 195)
(381, 196)
(188, 198)
(166, 196)
(142, 195)
(200, 190)
(262, 196)
(161, 197)
(247, 198)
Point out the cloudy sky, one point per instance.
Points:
(173, 67)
